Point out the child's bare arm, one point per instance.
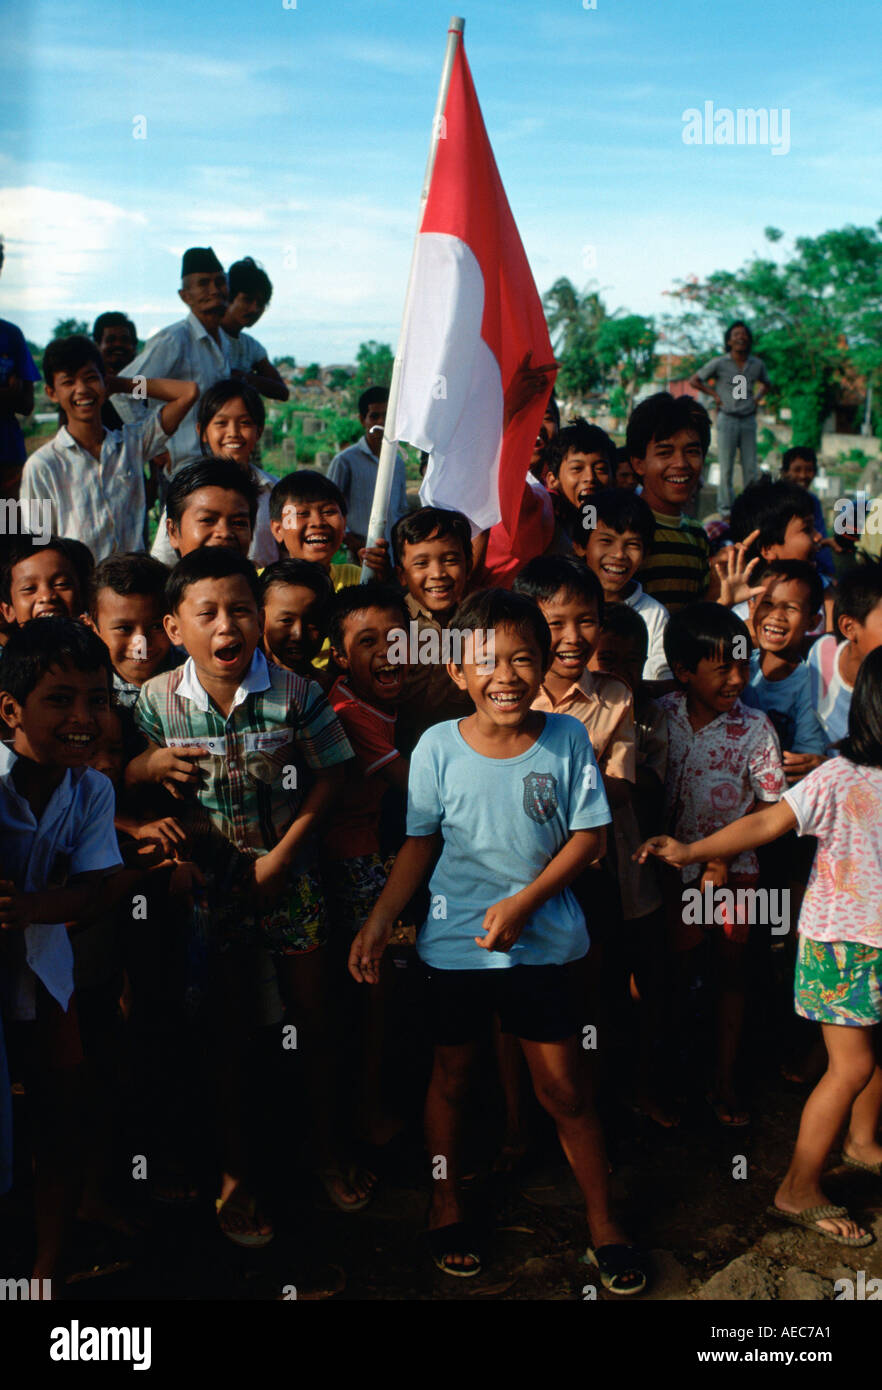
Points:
(395, 772)
(86, 896)
(749, 832)
(264, 377)
(179, 396)
(412, 864)
(271, 870)
(505, 920)
(167, 832)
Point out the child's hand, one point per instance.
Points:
(13, 907)
(142, 854)
(367, 949)
(167, 832)
(666, 848)
(716, 873)
(176, 769)
(734, 571)
(503, 923)
(527, 383)
(376, 557)
(185, 879)
(798, 765)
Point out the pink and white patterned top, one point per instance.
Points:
(714, 776)
(841, 803)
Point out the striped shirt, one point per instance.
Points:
(677, 569)
(279, 729)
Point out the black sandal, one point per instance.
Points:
(615, 1263)
(456, 1239)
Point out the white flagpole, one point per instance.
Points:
(389, 448)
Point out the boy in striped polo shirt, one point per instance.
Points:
(667, 440)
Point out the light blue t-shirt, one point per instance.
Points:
(789, 705)
(503, 820)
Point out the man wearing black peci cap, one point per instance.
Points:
(193, 349)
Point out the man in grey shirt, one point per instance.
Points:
(740, 381)
(355, 473)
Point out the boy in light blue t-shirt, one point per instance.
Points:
(513, 800)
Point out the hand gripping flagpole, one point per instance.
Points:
(389, 448)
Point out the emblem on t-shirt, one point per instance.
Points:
(540, 796)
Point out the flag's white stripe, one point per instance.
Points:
(451, 398)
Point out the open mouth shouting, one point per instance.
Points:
(387, 679)
(228, 654)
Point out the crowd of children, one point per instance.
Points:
(231, 775)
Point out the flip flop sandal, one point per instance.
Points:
(874, 1168)
(456, 1239)
(330, 1178)
(810, 1216)
(237, 1218)
(616, 1261)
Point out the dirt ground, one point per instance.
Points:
(708, 1230)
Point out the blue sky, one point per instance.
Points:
(299, 136)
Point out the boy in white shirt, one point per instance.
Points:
(93, 476)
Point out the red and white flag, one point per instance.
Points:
(473, 317)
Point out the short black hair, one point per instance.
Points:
(127, 574)
(306, 485)
(374, 395)
(541, 579)
(798, 571)
(485, 610)
(623, 510)
(429, 523)
(579, 436)
(209, 562)
(621, 620)
(727, 336)
(662, 415)
(357, 598)
(304, 574)
(864, 742)
(69, 355)
(39, 646)
(799, 451)
(209, 472)
(113, 318)
(768, 505)
(859, 592)
(219, 395)
(247, 277)
(702, 631)
(23, 546)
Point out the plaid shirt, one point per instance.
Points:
(278, 722)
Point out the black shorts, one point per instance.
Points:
(538, 1002)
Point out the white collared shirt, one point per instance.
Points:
(184, 351)
(100, 502)
(256, 678)
(74, 835)
(264, 549)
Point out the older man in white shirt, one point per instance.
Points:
(193, 349)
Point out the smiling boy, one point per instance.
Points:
(582, 463)
(433, 554)
(94, 477)
(508, 797)
(211, 503)
(126, 609)
(615, 548)
(42, 581)
(296, 599)
(667, 440)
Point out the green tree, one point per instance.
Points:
(373, 363)
(284, 362)
(65, 327)
(812, 312)
(626, 349)
(573, 321)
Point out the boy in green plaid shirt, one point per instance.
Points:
(254, 752)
